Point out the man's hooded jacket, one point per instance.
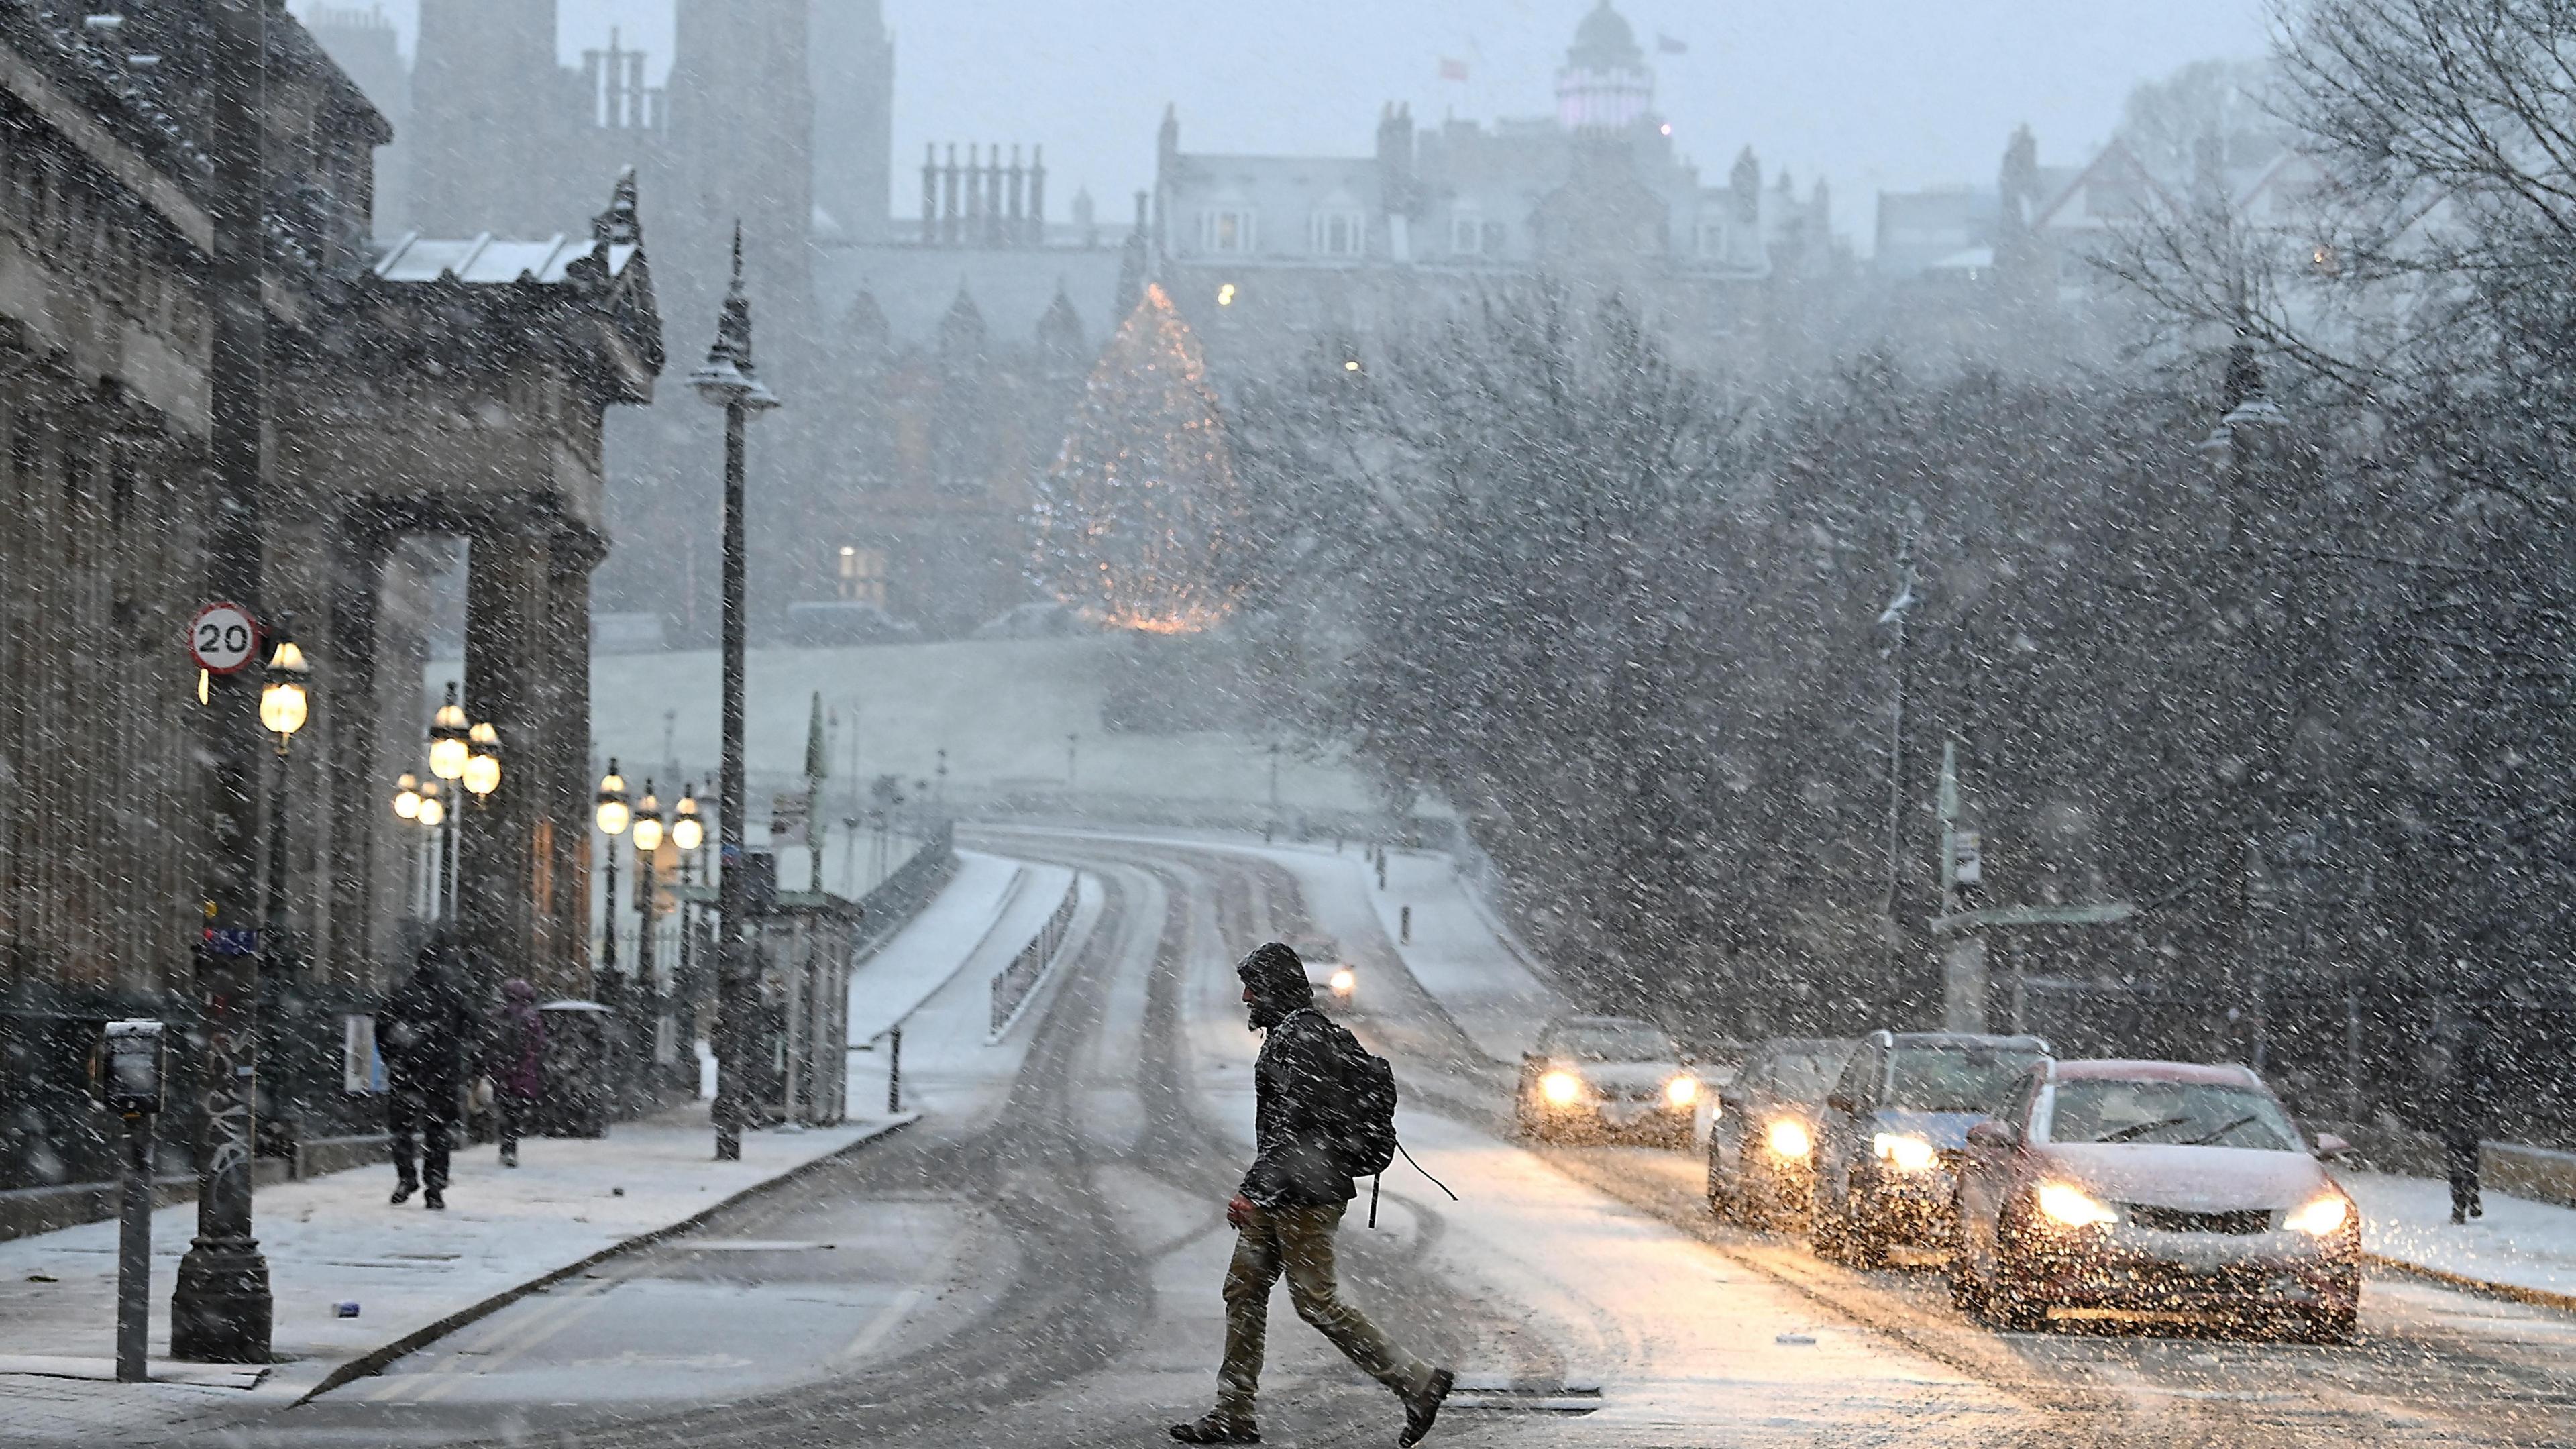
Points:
(1298, 1081)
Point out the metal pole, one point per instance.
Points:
(894, 1070)
(274, 915)
(647, 989)
(732, 940)
(134, 1255)
(221, 1311)
(447, 865)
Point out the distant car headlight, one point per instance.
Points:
(2072, 1207)
(2322, 1217)
(1682, 1091)
(1345, 981)
(1788, 1137)
(1561, 1089)
(1904, 1151)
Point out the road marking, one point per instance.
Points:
(883, 1325)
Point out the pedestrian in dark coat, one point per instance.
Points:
(516, 1064)
(422, 1033)
(2464, 1102)
(1288, 1209)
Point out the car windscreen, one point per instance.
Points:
(1806, 1075)
(1956, 1078)
(2197, 1114)
(1613, 1041)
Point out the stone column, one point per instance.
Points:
(506, 664)
(358, 845)
(576, 552)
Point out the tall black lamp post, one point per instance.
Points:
(726, 380)
(221, 1310)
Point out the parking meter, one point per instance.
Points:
(133, 1076)
(131, 1085)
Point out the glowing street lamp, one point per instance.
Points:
(284, 704)
(447, 745)
(688, 832)
(407, 798)
(482, 760)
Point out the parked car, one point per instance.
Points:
(2158, 1187)
(1762, 1142)
(1606, 1077)
(1893, 1129)
(1335, 979)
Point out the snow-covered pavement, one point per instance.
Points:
(2526, 1249)
(335, 1240)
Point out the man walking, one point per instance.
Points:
(2464, 1099)
(423, 1032)
(1290, 1205)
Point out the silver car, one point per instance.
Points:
(1608, 1077)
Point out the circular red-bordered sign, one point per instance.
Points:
(223, 638)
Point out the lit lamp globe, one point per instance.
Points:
(433, 809)
(407, 798)
(483, 759)
(688, 832)
(613, 815)
(447, 747)
(283, 700)
(648, 822)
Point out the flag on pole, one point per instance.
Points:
(1668, 45)
(1452, 70)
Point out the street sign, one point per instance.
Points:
(223, 638)
(1967, 858)
(788, 818)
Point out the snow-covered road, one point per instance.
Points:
(1038, 1263)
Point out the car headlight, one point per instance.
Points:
(1682, 1091)
(2073, 1207)
(1904, 1151)
(1788, 1137)
(1345, 981)
(2322, 1217)
(1561, 1089)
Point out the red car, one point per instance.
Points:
(2153, 1187)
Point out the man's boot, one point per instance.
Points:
(1423, 1405)
(1217, 1430)
(403, 1191)
(435, 1201)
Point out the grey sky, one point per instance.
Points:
(1874, 94)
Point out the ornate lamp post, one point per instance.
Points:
(688, 832)
(448, 749)
(726, 380)
(221, 1310)
(284, 704)
(648, 990)
(612, 816)
(442, 857)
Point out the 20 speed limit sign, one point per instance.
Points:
(223, 638)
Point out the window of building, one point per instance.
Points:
(863, 575)
(1338, 233)
(1226, 229)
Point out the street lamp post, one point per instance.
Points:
(612, 816)
(688, 832)
(648, 839)
(442, 856)
(726, 380)
(284, 704)
(221, 1310)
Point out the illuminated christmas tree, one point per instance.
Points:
(1135, 516)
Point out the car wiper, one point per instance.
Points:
(2134, 1128)
(2246, 1121)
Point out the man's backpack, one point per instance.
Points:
(1364, 1127)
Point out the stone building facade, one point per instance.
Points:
(1270, 257)
(418, 389)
